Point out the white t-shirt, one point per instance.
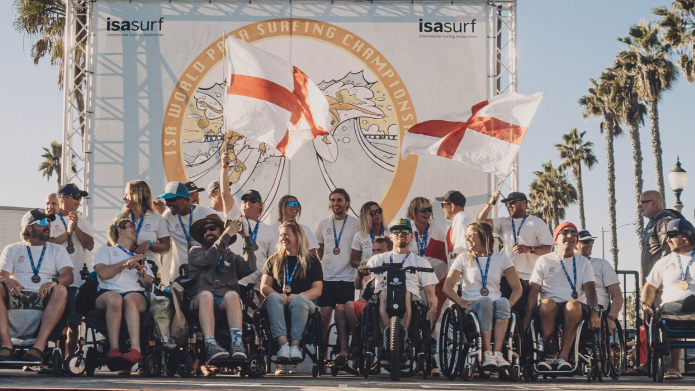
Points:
(534, 232)
(605, 276)
(15, 260)
(179, 246)
(458, 232)
(548, 273)
(414, 282)
(472, 276)
(81, 255)
(337, 267)
(153, 228)
(436, 248)
(310, 237)
(667, 273)
(126, 280)
(363, 243)
(266, 239)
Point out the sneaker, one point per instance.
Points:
(546, 365)
(238, 351)
(114, 353)
(214, 351)
(489, 362)
(502, 364)
(294, 369)
(296, 354)
(284, 354)
(280, 370)
(563, 365)
(133, 356)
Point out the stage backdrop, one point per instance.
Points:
(158, 91)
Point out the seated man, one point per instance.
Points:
(674, 274)
(35, 274)
(402, 235)
(566, 284)
(216, 271)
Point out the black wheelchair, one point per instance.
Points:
(460, 346)
(667, 331)
(331, 358)
(405, 350)
(615, 348)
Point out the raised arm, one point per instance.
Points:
(227, 199)
(482, 216)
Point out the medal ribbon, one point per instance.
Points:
(131, 253)
(517, 232)
(646, 232)
(483, 276)
(34, 268)
(684, 274)
(336, 237)
(139, 224)
(422, 245)
(288, 277)
(253, 233)
(574, 267)
(66, 229)
(217, 267)
(404, 259)
(372, 237)
(190, 222)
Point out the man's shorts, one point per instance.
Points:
(560, 318)
(26, 301)
(123, 295)
(217, 302)
(336, 292)
(74, 317)
(359, 306)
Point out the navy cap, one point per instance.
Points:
(192, 188)
(585, 235)
(173, 190)
(453, 196)
(72, 189)
(679, 225)
(515, 196)
(252, 195)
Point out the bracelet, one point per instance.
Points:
(151, 243)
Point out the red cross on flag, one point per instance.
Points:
(271, 101)
(486, 137)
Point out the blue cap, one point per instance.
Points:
(679, 225)
(173, 190)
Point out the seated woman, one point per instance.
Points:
(481, 270)
(123, 278)
(294, 278)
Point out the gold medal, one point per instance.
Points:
(336, 250)
(683, 285)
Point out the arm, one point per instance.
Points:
(145, 278)
(448, 289)
(432, 302)
(200, 257)
(227, 199)
(592, 301)
(531, 303)
(249, 266)
(105, 271)
(59, 239)
(616, 296)
(514, 282)
(13, 286)
(64, 277)
(648, 295)
(319, 251)
(355, 258)
(315, 291)
(161, 246)
(267, 282)
(482, 216)
(85, 239)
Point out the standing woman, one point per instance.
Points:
(371, 227)
(292, 278)
(482, 270)
(151, 233)
(289, 208)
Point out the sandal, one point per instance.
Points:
(340, 360)
(33, 355)
(672, 376)
(5, 354)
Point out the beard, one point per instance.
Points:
(210, 239)
(402, 244)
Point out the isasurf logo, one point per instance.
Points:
(447, 27)
(134, 25)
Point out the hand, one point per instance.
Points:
(495, 196)
(611, 326)
(284, 298)
(647, 310)
(232, 227)
(225, 158)
(526, 323)
(290, 298)
(142, 269)
(142, 248)
(13, 286)
(594, 320)
(45, 289)
(521, 248)
(73, 221)
(363, 270)
(241, 228)
(432, 314)
(135, 262)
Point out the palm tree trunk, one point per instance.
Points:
(580, 196)
(610, 159)
(656, 147)
(637, 168)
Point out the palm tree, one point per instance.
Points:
(678, 25)
(596, 104)
(654, 74)
(551, 193)
(575, 152)
(51, 162)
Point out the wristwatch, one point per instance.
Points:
(55, 280)
(533, 249)
(597, 309)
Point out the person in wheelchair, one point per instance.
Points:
(482, 270)
(216, 271)
(34, 274)
(566, 284)
(123, 278)
(292, 280)
(675, 275)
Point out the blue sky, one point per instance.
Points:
(561, 44)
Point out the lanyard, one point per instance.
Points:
(404, 259)
(515, 231)
(139, 224)
(252, 233)
(372, 237)
(66, 228)
(288, 277)
(646, 232)
(422, 245)
(684, 274)
(190, 222)
(574, 267)
(483, 276)
(217, 266)
(337, 237)
(34, 268)
(132, 254)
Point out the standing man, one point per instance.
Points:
(180, 216)
(74, 233)
(263, 237)
(215, 196)
(52, 204)
(453, 204)
(335, 234)
(193, 191)
(654, 246)
(610, 296)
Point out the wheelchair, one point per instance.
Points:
(331, 357)
(615, 348)
(588, 355)
(460, 346)
(407, 350)
(663, 327)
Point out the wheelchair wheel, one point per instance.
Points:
(426, 345)
(151, 365)
(57, 358)
(467, 373)
(315, 370)
(617, 352)
(186, 366)
(75, 364)
(450, 338)
(514, 373)
(90, 358)
(395, 348)
(256, 367)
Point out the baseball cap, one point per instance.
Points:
(514, 196)
(679, 225)
(72, 189)
(213, 185)
(401, 224)
(173, 190)
(453, 196)
(252, 195)
(36, 216)
(585, 235)
(192, 188)
(562, 226)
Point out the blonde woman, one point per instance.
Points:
(482, 270)
(371, 227)
(289, 209)
(291, 278)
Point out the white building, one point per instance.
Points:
(11, 217)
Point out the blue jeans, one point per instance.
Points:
(300, 308)
(488, 310)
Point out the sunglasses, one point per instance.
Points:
(673, 234)
(426, 210)
(444, 204)
(293, 204)
(210, 228)
(76, 197)
(569, 232)
(40, 223)
(588, 241)
(376, 212)
(401, 231)
(250, 201)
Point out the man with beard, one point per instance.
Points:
(654, 240)
(216, 271)
(453, 204)
(34, 274)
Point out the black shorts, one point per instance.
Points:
(123, 295)
(336, 292)
(560, 317)
(74, 317)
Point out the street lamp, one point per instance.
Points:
(603, 239)
(677, 179)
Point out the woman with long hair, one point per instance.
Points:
(371, 227)
(291, 278)
(481, 270)
(289, 209)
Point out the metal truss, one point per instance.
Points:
(77, 95)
